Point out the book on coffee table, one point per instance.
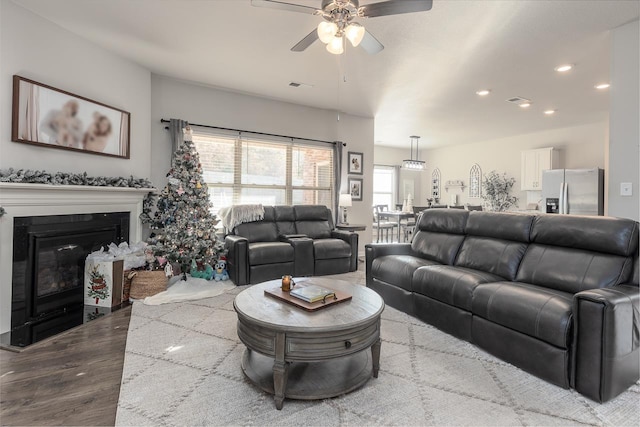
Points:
(312, 293)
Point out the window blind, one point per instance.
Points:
(240, 169)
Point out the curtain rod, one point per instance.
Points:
(259, 133)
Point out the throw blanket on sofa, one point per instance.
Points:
(233, 215)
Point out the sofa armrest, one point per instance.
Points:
(302, 253)
(352, 239)
(375, 250)
(606, 351)
(237, 259)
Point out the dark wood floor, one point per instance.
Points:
(71, 379)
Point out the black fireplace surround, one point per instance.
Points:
(48, 269)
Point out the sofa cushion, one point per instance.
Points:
(616, 236)
(500, 225)
(398, 269)
(258, 231)
(539, 312)
(270, 253)
(572, 270)
(439, 247)
(451, 285)
(443, 221)
(285, 217)
(439, 234)
(311, 212)
(331, 248)
(313, 220)
(500, 257)
(314, 229)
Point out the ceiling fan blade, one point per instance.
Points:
(395, 7)
(273, 4)
(370, 44)
(306, 42)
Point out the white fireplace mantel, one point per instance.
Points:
(20, 200)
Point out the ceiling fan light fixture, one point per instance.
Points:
(327, 31)
(335, 46)
(354, 33)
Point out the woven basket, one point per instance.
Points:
(126, 284)
(147, 283)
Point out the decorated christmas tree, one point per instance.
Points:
(183, 225)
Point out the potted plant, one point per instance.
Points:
(496, 189)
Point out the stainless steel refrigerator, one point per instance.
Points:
(573, 191)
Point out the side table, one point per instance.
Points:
(351, 227)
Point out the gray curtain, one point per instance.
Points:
(337, 177)
(176, 135)
(397, 176)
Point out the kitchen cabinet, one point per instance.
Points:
(533, 162)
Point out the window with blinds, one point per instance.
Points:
(242, 170)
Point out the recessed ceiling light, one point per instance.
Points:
(525, 105)
(483, 92)
(602, 86)
(549, 112)
(564, 68)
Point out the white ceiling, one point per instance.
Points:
(422, 83)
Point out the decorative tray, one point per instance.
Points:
(308, 306)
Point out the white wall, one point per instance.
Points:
(39, 50)
(216, 107)
(624, 134)
(391, 156)
(580, 147)
(42, 51)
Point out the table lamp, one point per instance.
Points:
(345, 201)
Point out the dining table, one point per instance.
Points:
(397, 215)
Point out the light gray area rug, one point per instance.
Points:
(182, 367)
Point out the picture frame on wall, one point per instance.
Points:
(355, 163)
(54, 118)
(355, 189)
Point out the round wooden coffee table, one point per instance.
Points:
(305, 355)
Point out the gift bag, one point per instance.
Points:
(103, 282)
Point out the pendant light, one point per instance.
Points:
(413, 164)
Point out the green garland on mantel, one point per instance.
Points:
(29, 176)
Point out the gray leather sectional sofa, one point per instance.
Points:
(299, 240)
(556, 295)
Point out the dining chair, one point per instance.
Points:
(382, 226)
(474, 207)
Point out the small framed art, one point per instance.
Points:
(355, 188)
(355, 163)
(50, 117)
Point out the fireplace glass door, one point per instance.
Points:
(59, 267)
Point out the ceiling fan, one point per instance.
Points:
(338, 21)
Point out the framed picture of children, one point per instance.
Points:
(355, 188)
(50, 117)
(355, 163)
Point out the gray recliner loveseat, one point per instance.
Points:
(299, 240)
